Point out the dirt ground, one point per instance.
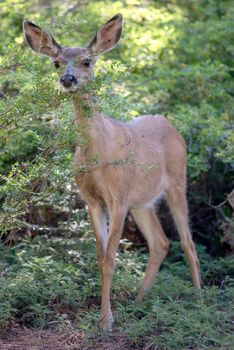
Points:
(29, 339)
(22, 338)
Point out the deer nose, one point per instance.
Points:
(67, 80)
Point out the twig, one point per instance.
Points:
(71, 9)
(51, 230)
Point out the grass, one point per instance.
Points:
(53, 283)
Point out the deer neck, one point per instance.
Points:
(85, 108)
(90, 123)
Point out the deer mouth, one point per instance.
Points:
(71, 89)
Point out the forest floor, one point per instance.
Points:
(50, 297)
(22, 338)
(28, 339)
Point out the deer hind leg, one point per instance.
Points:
(177, 202)
(158, 244)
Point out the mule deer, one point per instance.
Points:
(135, 163)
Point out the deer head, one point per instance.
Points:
(75, 65)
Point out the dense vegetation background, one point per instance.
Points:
(175, 58)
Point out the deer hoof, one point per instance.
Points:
(106, 322)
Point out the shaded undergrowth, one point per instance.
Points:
(54, 284)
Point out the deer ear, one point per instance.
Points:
(107, 36)
(40, 41)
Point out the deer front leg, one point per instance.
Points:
(117, 217)
(98, 219)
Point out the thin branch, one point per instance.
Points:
(71, 9)
(37, 228)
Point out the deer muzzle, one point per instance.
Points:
(68, 80)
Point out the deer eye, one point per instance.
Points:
(56, 64)
(86, 63)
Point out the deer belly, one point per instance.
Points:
(148, 188)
